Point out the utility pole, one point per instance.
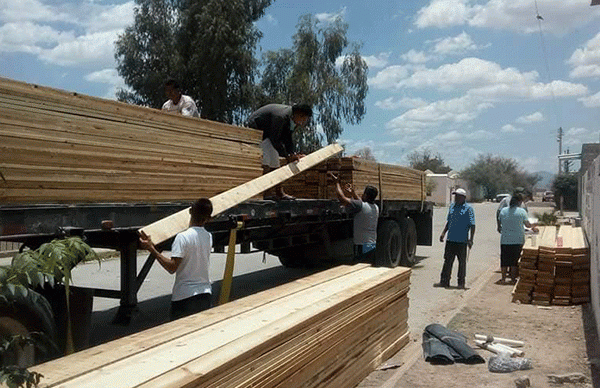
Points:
(559, 140)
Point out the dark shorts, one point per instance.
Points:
(188, 306)
(509, 254)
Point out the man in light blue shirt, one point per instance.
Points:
(460, 223)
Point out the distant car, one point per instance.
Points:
(500, 197)
(548, 196)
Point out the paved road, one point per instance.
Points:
(252, 274)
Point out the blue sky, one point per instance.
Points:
(459, 77)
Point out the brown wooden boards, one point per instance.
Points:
(329, 329)
(393, 182)
(168, 227)
(555, 268)
(64, 147)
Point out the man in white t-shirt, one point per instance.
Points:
(178, 103)
(189, 261)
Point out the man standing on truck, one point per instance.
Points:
(460, 221)
(277, 122)
(189, 261)
(366, 215)
(178, 103)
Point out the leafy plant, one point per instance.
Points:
(51, 263)
(17, 377)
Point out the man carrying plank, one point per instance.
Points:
(189, 261)
(277, 122)
(366, 214)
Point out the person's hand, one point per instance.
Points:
(470, 243)
(294, 157)
(499, 229)
(349, 188)
(146, 242)
(442, 237)
(535, 229)
(335, 178)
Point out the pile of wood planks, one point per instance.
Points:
(327, 330)
(65, 147)
(392, 181)
(554, 268)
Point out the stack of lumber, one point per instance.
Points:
(544, 280)
(393, 182)
(554, 268)
(65, 147)
(527, 270)
(327, 330)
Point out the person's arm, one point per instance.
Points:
(444, 232)
(470, 242)
(338, 189)
(189, 108)
(170, 264)
(350, 189)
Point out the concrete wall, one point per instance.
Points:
(590, 213)
(444, 185)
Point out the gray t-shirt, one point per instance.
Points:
(365, 221)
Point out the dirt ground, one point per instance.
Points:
(558, 340)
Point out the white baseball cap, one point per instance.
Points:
(460, 192)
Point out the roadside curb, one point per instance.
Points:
(414, 351)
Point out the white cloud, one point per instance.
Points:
(457, 110)
(30, 10)
(109, 18)
(331, 17)
(576, 136)
(455, 45)
(560, 16)
(271, 19)
(511, 129)
(413, 56)
(30, 38)
(532, 118)
(481, 135)
(390, 77)
(585, 61)
(378, 61)
(95, 49)
(591, 101)
(392, 103)
(109, 77)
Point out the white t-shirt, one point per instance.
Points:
(365, 222)
(192, 278)
(185, 107)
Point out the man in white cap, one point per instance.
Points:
(460, 221)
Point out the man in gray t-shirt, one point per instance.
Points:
(366, 214)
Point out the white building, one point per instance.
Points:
(442, 185)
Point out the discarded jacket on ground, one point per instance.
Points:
(444, 346)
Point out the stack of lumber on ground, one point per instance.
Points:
(57, 146)
(393, 182)
(544, 280)
(555, 269)
(327, 330)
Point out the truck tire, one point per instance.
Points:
(409, 243)
(388, 250)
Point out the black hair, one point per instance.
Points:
(516, 199)
(201, 209)
(172, 83)
(370, 194)
(303, 109)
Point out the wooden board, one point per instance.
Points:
(60, 147)
(331, 331)
(168, 227)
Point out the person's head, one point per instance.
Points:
(460, 196)
(301, 114)
(527, 195)
(516, 200)
(200, 211)
(172, 90)
(369, 194)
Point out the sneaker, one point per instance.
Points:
(440, 284)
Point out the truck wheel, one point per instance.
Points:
(409, 246)
(389, 244)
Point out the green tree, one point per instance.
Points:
(322, 69)
(426, 160)
(208, 45)
(496, 174)
(565, 188)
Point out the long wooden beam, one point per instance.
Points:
(168, 227)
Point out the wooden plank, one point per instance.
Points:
(168, 227)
